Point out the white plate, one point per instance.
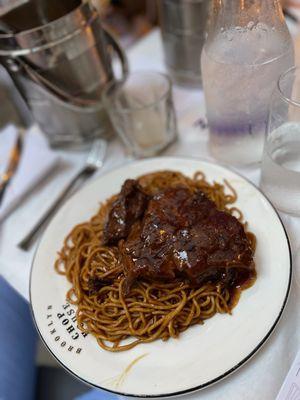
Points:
(203, 354)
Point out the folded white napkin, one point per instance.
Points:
(37, 160)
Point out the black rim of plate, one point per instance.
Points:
(220, 377)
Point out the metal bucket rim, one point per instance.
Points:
(40, 28)
(30, 50)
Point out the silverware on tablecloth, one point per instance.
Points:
(12, 165)
(93, 163)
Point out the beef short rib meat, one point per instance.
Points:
(127, 208)
(183, 235)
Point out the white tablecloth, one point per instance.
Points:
(262, 376)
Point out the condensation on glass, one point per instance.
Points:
(247, 48)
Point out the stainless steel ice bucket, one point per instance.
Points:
(60, 67)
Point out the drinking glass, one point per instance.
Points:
(142, 112)
(280, 178)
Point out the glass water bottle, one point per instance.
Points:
(247, 48)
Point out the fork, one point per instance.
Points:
(94, 162)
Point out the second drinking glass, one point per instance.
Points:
(280, 178)
(142, 112)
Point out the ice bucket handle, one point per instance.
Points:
(111, 41)
(16, 64)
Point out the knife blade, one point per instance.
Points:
(13, 163)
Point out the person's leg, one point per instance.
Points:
(18, 339)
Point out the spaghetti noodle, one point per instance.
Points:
(152, 310)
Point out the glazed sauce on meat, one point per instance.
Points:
(179, 234)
